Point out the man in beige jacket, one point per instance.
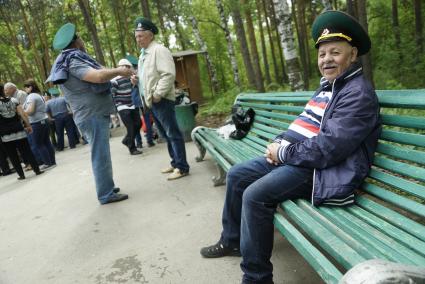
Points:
(156, 75)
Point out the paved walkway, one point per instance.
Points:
(52, 229)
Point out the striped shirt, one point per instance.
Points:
(307, 124)
(121, 93)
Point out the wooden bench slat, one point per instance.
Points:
(401, 153)
(293, 109)
(392, 247)
(399, 183)
(407, 239)
(403, 121)
(276, 94)
(400, 168)
(395, 199)
(267, 129)
(327, 271)
(267, 121)
(293, 99)
(262, 133)
(331, 243)
(260, 144)
(403, 137)
(343, 230)
(392, 217)
(219, 159)
(402, 98)
(224, 149)
(278, 115)
(378, 243)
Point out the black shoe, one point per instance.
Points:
(9, 172)
(151, 144)
(21, 177)
(219, 250)
(136, 152)
(39, 173)
(116, 189)
(116, 198)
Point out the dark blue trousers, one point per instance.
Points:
(254, 189)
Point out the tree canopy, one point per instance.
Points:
(247, 42)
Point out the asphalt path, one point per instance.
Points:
(53, 230)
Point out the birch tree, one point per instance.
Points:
(230, 47)
(283, 16)
(202, 44)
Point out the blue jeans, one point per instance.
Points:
(96, 130)
(165, 119)
(149, 130)
(254, 189)
(41, 139)
(64, 121)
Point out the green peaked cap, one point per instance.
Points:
(335, 25)
(64, 36)
(133, 59)
(142, 24)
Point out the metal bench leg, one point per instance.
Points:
(220, 179)
(202, 150)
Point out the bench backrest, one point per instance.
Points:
(398, 174)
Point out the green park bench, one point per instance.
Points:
(388, 218)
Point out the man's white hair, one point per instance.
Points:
(9, 85)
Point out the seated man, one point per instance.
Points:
(324, 155)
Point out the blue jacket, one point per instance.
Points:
(342, 153)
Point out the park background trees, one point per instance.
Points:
(257, 45)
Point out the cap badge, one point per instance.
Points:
(139, 25)
(325, 32)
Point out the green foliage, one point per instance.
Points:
(219, 104)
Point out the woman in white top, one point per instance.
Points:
(35, 108)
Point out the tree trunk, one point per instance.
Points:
(367, 58)
(351, 8)
(418, 30)
(230, 47)
(39, 62)
(283, 15)
(210, 65)
(145, 9)
(19, 54)
(159, 7)
(272, 46)
(279, 43)
(128, 35)
(108, 39)
(299, 18)
(327, 5)
(41, 32)
(118, 24)
(93, 31)
(397, 37)
(263, 42)
(240, 34)
(254, 50)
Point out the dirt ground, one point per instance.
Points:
(213, 121)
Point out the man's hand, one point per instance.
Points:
(125, 72)
(156, 99)
(134, 80)
(28, 129)
(271, 153)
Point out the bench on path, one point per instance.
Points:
(388, 218)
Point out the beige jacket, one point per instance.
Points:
(157, 73)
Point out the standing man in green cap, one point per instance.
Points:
(156, 72)
(324, 155)
(85, 84)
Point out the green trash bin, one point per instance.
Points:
(185, 115)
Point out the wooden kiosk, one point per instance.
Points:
(187, 73)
